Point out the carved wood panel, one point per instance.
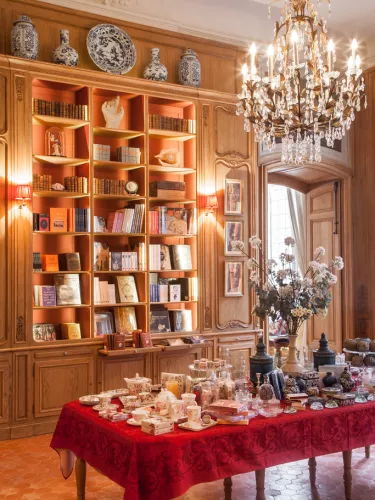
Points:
(4, 391)
(111, 372)
(22, 387)
(175, 362)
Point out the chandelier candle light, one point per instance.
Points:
(303, 100)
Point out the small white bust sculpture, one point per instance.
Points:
(112, 113)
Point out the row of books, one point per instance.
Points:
(177, 320)
(173, 289)
(169, 220)
(42, 182)
(60, 109)
(104, 260)
(65, 291)
(123, 290)
(47, 332)
(168, 257)
(171, 123)
(102, 152)
(56, 262)
(63, 220)
(76, 184)
(109, 186)
(125, 220)
(121, 320)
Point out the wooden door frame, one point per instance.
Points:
(334, 171)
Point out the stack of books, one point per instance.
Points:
(169, 220)
(102, 152)
(172, 123)
(61, 109)
(170, 257)
(227, 411)
(129, 155)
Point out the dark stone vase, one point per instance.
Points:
(329, 380)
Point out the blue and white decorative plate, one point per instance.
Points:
(111, 49)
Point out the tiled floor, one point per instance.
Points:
(29, 470)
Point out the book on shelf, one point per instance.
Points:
(115, 261)
(128, 155)
(146, 340)
(127, 289)
(101, 256)
(44, 295)
(60, 109)
(125, 319)
(181, 320)
(169, 190)
(68, 289)
(58, 219)
(174, 292)
(112, 293)
(173, 289)
(159, 320)
(44, 332)
(104, 292)
(50, 262)
(100, 224)
(76, 184)
(181, 257)
(154, 257)
(42, 182)
(41, 222)
(103, 323)
(70, 331)
(172, 123)
(102, 152)
(69, 261)
(37, 262)
(170, 257)
(169, 220)
(127, 220)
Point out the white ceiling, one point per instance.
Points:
(232, 21)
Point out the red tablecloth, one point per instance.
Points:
(164, 467)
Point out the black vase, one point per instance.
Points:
(329, 380)
(300, 383)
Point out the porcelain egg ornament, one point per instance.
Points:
(113, 114)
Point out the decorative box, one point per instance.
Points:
(329, 392)
(315, 399)
(311, 378)
(345, 399)
(157, 425)
(168, 189)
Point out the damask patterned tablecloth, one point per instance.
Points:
(164, 467)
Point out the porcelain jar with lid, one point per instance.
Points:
(190, 69)
(24, 41)
(64, 53)
(138, 384)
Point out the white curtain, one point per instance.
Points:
(297, 209)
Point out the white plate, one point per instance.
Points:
(197, 429)
(108, 407)
(131, 421)
(116, 393)
(90, 400)
(111, 49)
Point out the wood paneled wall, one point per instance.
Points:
(220, 63)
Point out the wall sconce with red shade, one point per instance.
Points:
(23, 193)
(211, 204)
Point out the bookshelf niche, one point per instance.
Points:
(119, 241)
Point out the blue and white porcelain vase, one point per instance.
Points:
(64, 53)
(190, 69)
(24, 41)
(155, 70)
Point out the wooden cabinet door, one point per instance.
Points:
(58, 381)
(4, 391)
(323, 208)
(175, 361)
(112, 371)
(238, 350)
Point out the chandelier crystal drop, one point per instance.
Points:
(303, 100)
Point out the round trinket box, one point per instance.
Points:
(315, 399)
(317, 406)
(331, 404)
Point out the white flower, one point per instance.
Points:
(331, 278)
(307, 283)
(237, 245)
(254, 277)
(255, 242)
(319, 252)
(287, 257)
(282, 274)
(314, 265)
(251, 263)
(271, 263)
(338, 263)
(268, 287)
(289, 241)
(285, 291)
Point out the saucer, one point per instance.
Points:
(108, 407)
(131, 421)
(90, 400)
(197, 429)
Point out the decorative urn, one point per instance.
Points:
(291, 386)
(346, 380)
(24, 41)
(190, 69)
(155, 70)
(323, 355)
(64, 53)
(261, 362)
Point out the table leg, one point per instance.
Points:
(81, 478)
(347, 456)
(312, 469)
(260, 480)
(368, 451)
(228, 488)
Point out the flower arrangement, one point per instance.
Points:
(283, 294)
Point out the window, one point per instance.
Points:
(279, 221)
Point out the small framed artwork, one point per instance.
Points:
(233, 197)
(233, 279)
(233, 233)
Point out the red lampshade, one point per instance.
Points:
(211, 202)
(23, 192)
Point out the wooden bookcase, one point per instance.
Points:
(80, 138)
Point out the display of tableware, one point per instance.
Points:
(194, 416)
(90, 400)
(113, 113)
(177, 410)
(64, 53)
(155, 70)
(111, 49)
(146, 398)
(346, 399)
(270, 411)
(104, 399)
(289, 410)
(133, 422)
(330, 404)
(317, 406)
(138, 384)
(189, 400)
(130, 403)
(197, 428)
(190, 69)
(346, 380)
(242, 395)
(109, 407)
(180, 378)
(311, 378)
(328, 392)
(139, 414)
(163, 400)
(266, 391)
(361, 395)
(106, 413)
(116, 393)
(24, 42)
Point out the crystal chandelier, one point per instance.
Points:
(303, 99)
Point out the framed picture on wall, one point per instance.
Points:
(233, 279)
(233, 233)
(233, 197)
